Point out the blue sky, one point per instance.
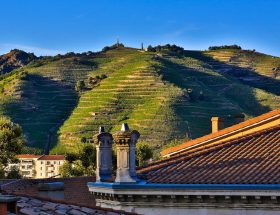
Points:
(48, 27)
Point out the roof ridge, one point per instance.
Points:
(201, 150)
(222, 132)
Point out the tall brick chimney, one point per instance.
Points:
(217, 124)
(125, 144)
(103, 142)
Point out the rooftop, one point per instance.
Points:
(250, 159)
(77, 198)
(22, 156)
(220, 134)
(52, 157)
(41, 157)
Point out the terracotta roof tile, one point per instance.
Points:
(52, 157)
(222, 132)
(42, 157)
(251, 159)
(28, 156)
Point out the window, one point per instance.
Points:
(54, 162)
(42, 162)
(41, 168)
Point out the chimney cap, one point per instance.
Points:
(216, 118)
(101, 129)
(125, 127)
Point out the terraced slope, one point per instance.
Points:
(223, 95)
(41, 100)
(258, 62)
(163, 96)
(132, 93)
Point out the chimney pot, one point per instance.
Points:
(103, 142)
(125, 127)
(126, 141)
(101, 129)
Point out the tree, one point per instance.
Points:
(12, 141)
(88, 156)
(225, 47)
(143, 153)
(80, 85)
(72, 169)
(81, 163)
(71, 157)
(14, 173)
(66, 169)
(151, 49)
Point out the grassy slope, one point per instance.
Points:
(44, 99)
(141, 89)
(132, 93)
(224, 94)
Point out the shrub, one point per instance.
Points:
(115, 46)
(103, 76)
(225, 47)
(143, 153)
(80, 86)
(83, 140)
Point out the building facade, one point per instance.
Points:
(39, 166)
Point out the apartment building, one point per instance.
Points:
(39, 166)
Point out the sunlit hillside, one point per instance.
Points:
(163, 95)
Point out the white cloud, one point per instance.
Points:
(6, 47)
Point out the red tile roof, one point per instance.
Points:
(42, 157)
(233, 128)
(75, 192)
(28, 156)
(251, 159)
(52, 157)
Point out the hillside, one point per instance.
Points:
(165, 96)
(14, 59)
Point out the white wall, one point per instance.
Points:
(204, 211)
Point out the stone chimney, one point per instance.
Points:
(103, 142)
(125, 144)
(217, 124)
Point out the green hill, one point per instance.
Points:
(165, 95)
